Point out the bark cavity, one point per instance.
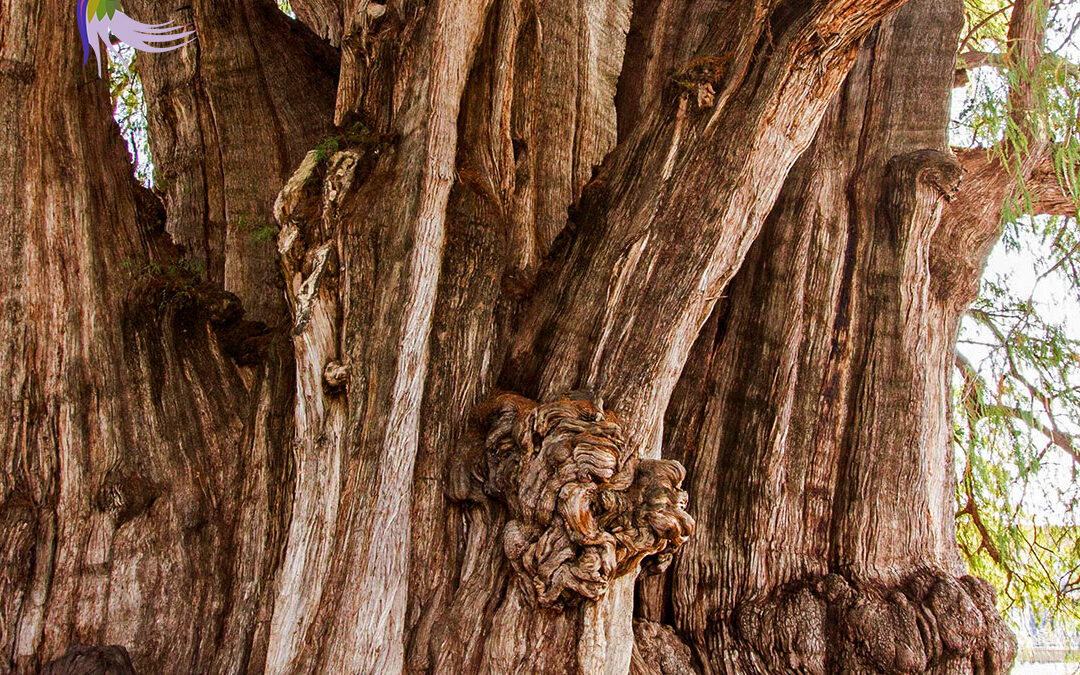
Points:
(91, 660)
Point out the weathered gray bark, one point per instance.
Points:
(226, 455)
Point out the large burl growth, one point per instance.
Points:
(729, 219)
(583, 508)
(933, 622)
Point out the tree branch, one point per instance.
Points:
(969, 60)
(1048, 196)
(974, 404)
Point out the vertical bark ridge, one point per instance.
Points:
(130, 408)
(806, 356)
(230, 116)
(522, 163)
(393, 230)
(310, 253)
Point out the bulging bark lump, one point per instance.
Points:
(583, 508)
(831, 624)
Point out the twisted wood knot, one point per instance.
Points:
(125, 494)
(936, 169)
(335, 376)
(584, 509)
(702, 78)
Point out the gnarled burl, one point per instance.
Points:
(583, 509)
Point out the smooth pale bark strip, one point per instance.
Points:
(320, 413)
(607, 631)
(364, 622)
(522, 161)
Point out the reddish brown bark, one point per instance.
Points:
(224, 455)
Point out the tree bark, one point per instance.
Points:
(531, 260)
(818, 440)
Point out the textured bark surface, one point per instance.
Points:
(447, 321)
(822, 416)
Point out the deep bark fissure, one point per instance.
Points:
(515, 195)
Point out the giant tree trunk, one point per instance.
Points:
(540, 258)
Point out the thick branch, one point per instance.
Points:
(322, 16)
(1048, 196)
(660, 233)
(1026, 45)
(971, 223)
(968, 61)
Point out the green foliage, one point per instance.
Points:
(261, 232)
(1016, 416)
(264, 233)
(353, 135)
(129, 110)
(161, 286)
(1017, 393)
(179, 270)
(327, 148)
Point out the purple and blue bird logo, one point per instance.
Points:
(98, 19)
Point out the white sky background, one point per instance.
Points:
(1048, 493)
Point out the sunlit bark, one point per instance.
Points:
(399, 367)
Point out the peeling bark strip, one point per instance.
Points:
(583, 510)
(226, 456)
